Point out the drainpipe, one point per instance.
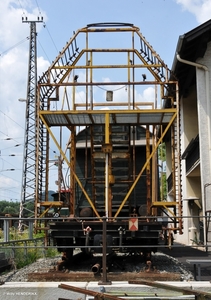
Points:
(206, 70)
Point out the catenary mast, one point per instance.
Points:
(28, 189)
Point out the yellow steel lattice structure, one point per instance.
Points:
(107, 94)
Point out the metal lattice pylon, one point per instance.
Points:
(30, 141)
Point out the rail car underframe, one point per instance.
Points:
(88, 235)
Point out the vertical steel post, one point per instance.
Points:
(6, 230)
(104, 279)
(31, 230)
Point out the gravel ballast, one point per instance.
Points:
(160, 262)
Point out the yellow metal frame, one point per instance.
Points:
(107, 125)
(68, 163)
(132, 107)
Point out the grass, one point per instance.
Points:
(21, 256)
(21, 259)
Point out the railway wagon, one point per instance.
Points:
(108, 102)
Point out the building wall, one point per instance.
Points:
(189, 130)
(195, 119)
(189, 118)
(204, 106)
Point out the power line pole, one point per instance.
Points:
(28, 189)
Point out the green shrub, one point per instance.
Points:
(22, 260)
(51, 252)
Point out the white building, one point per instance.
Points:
(192, 67)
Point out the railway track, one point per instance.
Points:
(119, 268)
(83, 272)
(83, 269)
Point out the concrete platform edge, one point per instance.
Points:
(50, 290)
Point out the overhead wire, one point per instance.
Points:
(5, 115)
(10, 165)
(44, 51)
(11, 119)
(8, 189)
(11, 190)
(9, 138)
(45, 26)
(38, 7)
(21, 6)
(4, 161)
(17, 44)
(11, 147)
(12, 155)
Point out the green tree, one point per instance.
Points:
(9, 207)
(9, 210)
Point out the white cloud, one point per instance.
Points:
(14, 58)
(149, 94)
(201, 9)
(42, 65)
(106, 79)
(14, 53)
(6, 182)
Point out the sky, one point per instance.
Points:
(160, 21)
